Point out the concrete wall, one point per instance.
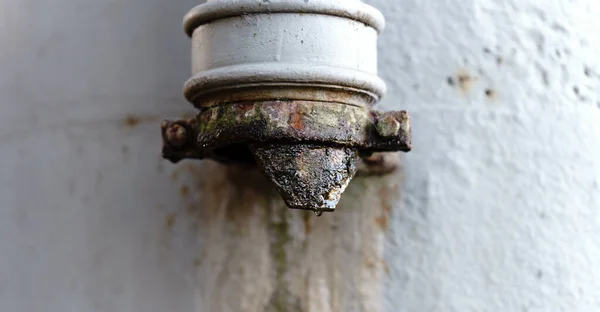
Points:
(496, 209)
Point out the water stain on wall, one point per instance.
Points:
(277, 259)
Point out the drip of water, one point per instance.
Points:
(318, 213)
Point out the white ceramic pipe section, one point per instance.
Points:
(327, 44)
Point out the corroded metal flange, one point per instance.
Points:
(288, 140)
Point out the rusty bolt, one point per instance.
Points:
(176, 136)
(388, 126)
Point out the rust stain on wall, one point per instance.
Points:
(466, 81)
(184, 191)
(307, 222)
(463, 79)
(386, 196)
(132, 121)
(389, 194)
(170, 220)
(383, 222)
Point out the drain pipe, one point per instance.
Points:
(288, 87)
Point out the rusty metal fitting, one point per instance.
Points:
(176, 136)
(388, 125)
(274, 94)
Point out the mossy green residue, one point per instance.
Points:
(229, 117)
(279, 229)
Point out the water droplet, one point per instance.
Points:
(318, 213)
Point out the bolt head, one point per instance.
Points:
(388, 126)
(176, 136)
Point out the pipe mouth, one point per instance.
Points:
(306, 176)
(214, 10)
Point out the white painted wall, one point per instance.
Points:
(501, 208)
(84, 193)
(500, 198)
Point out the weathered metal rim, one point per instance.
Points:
(294, 122)
(278, 91)
(355, 10)
(273, 74)
(282, 122)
